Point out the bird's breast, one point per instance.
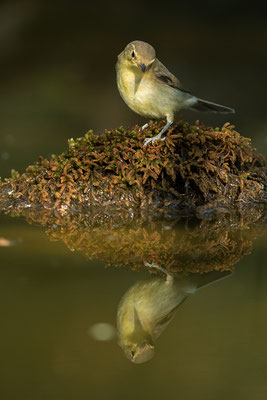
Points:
(126, 82)
(138, 93)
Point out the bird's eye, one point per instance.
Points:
(133, 54)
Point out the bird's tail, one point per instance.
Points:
(191, 283)
(208, 106)
(202, 280)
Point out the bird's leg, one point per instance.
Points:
(169, 277)
(158, 136)
(144, 126)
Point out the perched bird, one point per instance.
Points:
(149, 305)
(152, 91)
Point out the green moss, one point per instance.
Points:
(195, 165)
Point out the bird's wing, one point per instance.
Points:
(161, 323)
(165, 76)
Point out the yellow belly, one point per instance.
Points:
(139, 94)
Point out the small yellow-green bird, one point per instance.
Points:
(151, 90)
(149, 305)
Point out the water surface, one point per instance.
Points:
(214, 347)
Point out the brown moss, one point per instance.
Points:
(179, 244)
(195, 165)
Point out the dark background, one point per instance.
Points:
(57, 73)
(57, 80)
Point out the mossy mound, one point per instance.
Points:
(195, 165)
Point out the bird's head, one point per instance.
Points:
(139, 55)
(137, 345)
(140, 353)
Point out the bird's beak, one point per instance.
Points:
(143, 67)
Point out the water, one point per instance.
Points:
(52, 300)
(58, 81)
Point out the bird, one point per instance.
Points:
(149, 305)
(152, 91)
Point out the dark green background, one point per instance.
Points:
(57, 73)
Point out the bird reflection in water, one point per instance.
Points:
(149, 305)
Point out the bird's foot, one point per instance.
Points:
(144, 127)
(153, 139)
(158, 136)
(169, 277)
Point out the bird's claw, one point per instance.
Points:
(153, 139)
(144, 127)
(152, 265)
(146, 141)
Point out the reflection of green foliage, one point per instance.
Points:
(207, 246)
(196, 164)
(178, 244)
